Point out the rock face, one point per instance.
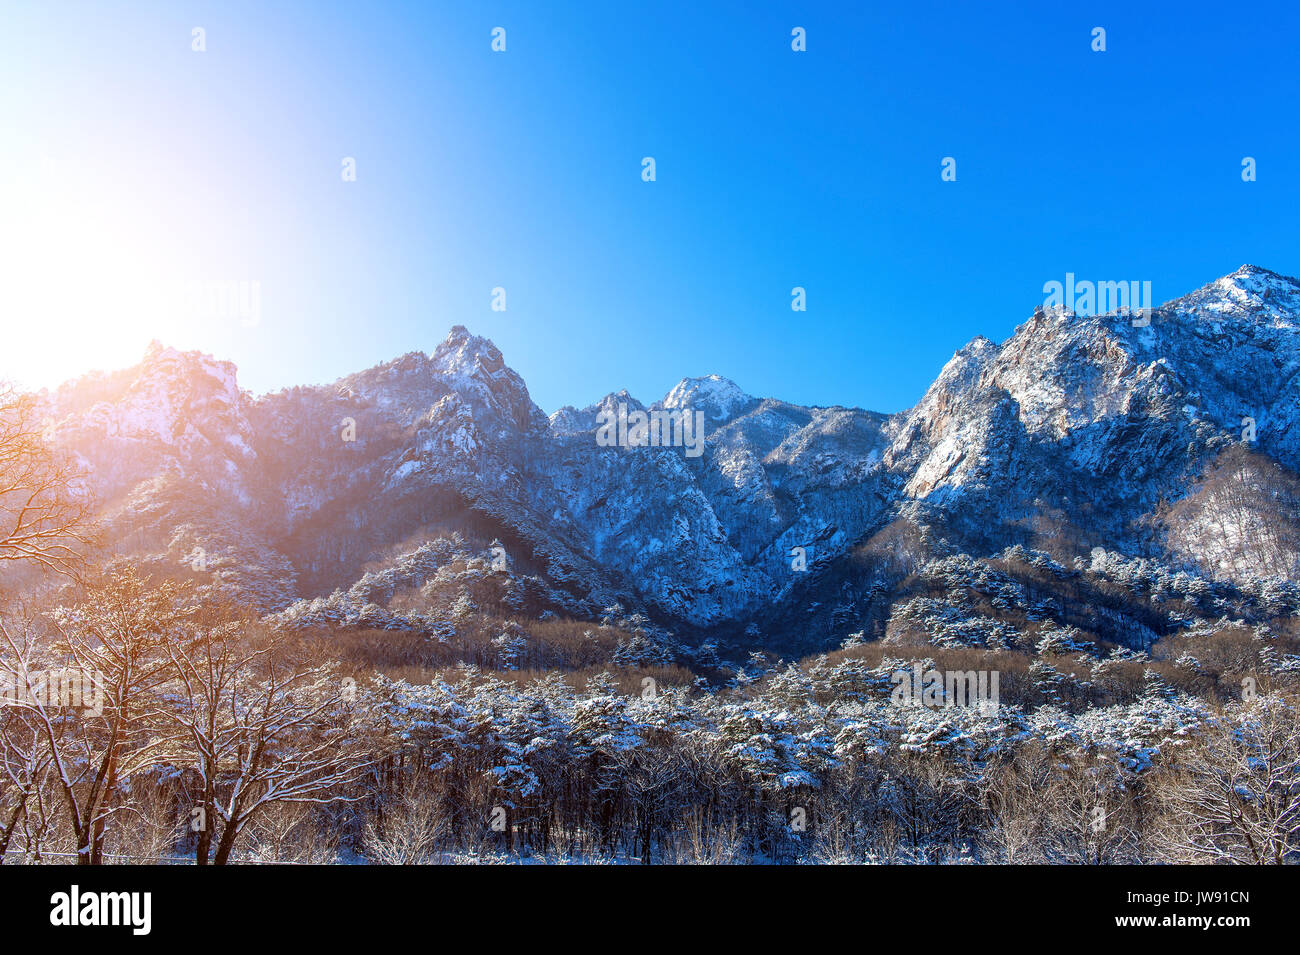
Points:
(1076, 431)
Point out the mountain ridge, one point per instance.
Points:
(1092, 424)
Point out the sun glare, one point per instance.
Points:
(88, 277)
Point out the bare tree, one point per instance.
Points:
(1236, 794)
(113, 640)
(259, 728)
(1243, 517)
(24, 757)
(406, 829)
(1085, 815)
(1013, 799)
(44, 509)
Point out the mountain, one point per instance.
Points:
(1077, 433)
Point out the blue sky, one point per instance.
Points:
(141, 162)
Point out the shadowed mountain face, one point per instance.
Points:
(1078, 432)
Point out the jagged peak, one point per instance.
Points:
(977, 347)
(1251, 270)
(969, 358)
(157, 351)
(1253, 277)
(719, 398)
(462, 353)
(569, 419)
(612, 400)
(162, 361)
(1251, 290)
(714, 386)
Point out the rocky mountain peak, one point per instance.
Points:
(1091, 419)
(170, 368)
(463, 355)
(474, 368)
(1251, 293)
(721, 399)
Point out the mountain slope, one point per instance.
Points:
(1078, 432)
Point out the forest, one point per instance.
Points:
(429, 714)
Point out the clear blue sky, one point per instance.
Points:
(522, 169)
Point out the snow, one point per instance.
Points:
(1068, 411)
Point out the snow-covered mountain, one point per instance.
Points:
(1077, 432)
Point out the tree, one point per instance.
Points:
(260, 728)
(407, 832)
(1242, 518)
(44, 508)
(1236, 794)
(1012, 796)
(112, 640)
(24, 757)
